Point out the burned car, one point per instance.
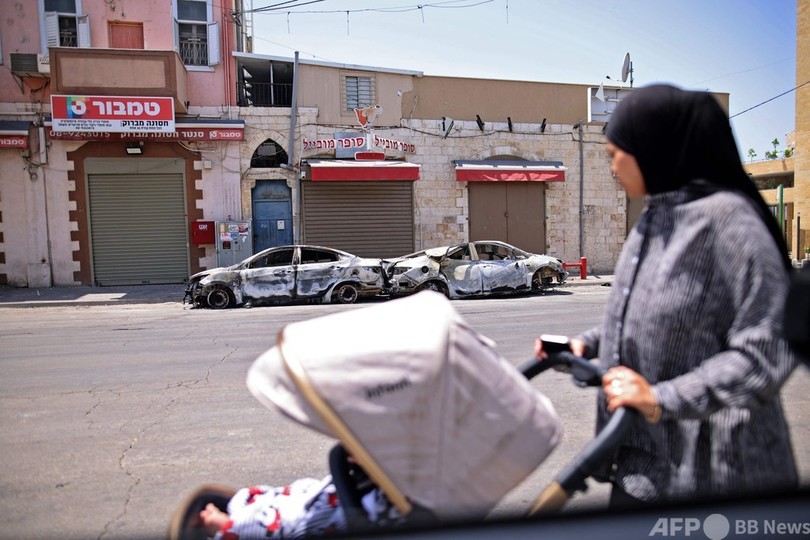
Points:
(473, 269)
(287, 274)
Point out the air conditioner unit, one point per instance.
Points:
(44, 63)
(30, 64)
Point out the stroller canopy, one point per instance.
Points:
(424, 403)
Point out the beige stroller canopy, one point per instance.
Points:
(423, 402)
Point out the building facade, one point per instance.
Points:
(257, 151)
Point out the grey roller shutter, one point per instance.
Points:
(370, 219)
(138, 229)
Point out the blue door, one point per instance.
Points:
(272, 214)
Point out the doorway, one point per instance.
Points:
(512, 212)
(272, 214)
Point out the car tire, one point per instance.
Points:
(538, 284)
(435, 286)
(219, 298)
(346, 293)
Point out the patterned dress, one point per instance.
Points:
(696, 308)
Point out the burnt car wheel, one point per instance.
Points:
(539, 282)
(346, 293)
(435, 286)
(219, 298)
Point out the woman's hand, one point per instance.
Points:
(577, 347)
(624, 387)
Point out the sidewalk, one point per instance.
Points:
(87, 295)
(150, 294)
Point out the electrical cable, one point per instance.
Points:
(768, 100)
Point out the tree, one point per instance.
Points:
(773, 154)
(751, 154)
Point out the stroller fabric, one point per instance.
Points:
(444, 417)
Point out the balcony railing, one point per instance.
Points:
(193, 51)
(253, 94)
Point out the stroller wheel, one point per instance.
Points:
(185, 523)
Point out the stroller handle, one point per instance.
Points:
(573, 477)
(583, 371)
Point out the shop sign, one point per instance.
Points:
(340, 143)
(332, 144)
(14, 141)
(180, 134)
(113, 114)
(392, 144)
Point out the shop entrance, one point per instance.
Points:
(272, 214)
(138, 230)
(512, 212)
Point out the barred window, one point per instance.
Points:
(196, 36)
(193, 44)
(64, 25)
(359, 92)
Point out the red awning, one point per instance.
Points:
(509, 171)
(347, 170)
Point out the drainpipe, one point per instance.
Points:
(293, 113)
(780, 207)
(290, 165)
(581, 194)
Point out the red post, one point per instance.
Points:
(583, 267)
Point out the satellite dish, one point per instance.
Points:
(626, 67)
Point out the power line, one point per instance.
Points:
(283, 7)
(768, 100)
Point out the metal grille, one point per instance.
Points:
(359, 92)
(138, 232)
(194, 44)
(370, 219)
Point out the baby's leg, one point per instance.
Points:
(213, 519)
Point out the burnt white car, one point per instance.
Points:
(288, 274)
(471, 269)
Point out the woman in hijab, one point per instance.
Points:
(692, 334)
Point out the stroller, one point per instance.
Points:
(433, 417)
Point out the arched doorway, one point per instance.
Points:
(271, 200)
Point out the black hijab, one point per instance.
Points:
(683, 138)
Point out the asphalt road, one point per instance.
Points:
(111, 414)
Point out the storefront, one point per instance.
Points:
(136, 197)
(365, 207)
(507, 199)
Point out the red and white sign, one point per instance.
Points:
(14, 141)
(180, 134)
(114, 114)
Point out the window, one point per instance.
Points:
(268, 154)
(461, 253)
(359, 92)
(282, 257)
(197, 38)
(310, 256)
(65, 26)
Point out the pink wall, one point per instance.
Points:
(20, 30)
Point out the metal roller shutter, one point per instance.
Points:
(370, 219)
(138, 229)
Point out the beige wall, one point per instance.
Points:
(801, 190)
(495, 100)
(319, 87)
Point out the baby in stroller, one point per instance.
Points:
(306, 508)
(438, 425)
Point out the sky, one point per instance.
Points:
(746, 48)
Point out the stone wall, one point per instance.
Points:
(441, 204)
